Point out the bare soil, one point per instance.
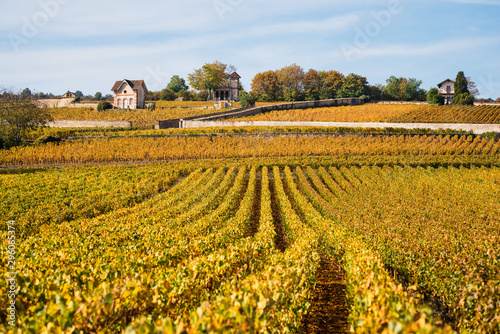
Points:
(328, 312)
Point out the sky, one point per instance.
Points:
(60, 45)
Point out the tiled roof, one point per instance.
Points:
(135, 84)
(235, 75)
(439, 84)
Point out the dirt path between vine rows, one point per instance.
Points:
(328, 312)
(281, 241)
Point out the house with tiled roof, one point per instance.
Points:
(447, 89)
(129, 94)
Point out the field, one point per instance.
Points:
(400, 148)
(140, 118)
(252, 230)
(391, 113)
(395, 243)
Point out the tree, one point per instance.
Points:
(291, 80)
(247, 99)
(26, 93)
(433, 97)
(211, 77)
(177, 84)
(462, 94)
(185, 94)
(353, 85)
(18, 115)
(98, 96)
(79, 93)
(332, 81)
(265, 86)
(471, 85)
(463, 99)
(167, 95)
(404, 89)
(312, 85)
(376, 92)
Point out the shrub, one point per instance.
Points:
(433, 97)
(104, 105)
(463, 99)
(366, 98)
(47, 139)
(247, 100)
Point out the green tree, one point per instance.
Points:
(26, 93)
(177, 84)
(247, 99)
(167, 95)
(376, 92)
(211, 77)
(331, 83)
(18, 115)
(433, 97)
(79, 93)
(404, 89)
(291, 80)
(98, 96)
(461, 85)
(462, 94)
(353, 85)
(312, 85)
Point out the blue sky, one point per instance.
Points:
(56, 45)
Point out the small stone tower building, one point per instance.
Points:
(231, 93)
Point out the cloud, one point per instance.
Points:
(476, 2)
(422, 50)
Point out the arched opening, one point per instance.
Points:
(118, 103)
(125, 104)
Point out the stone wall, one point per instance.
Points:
(89, 124)
(475, 128)
(64, 102)
(54, 103)
(84, 105)
(401, 102)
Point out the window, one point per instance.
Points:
(118, 103)
(131, 102)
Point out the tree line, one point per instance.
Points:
(293, 83)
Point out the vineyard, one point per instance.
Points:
(391, 113)
(253, 230)
(236, 247)
(140, 118)
(130, 149)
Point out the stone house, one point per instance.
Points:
(129, 94)
(230, 93)
(68, 95)
(447, 89)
